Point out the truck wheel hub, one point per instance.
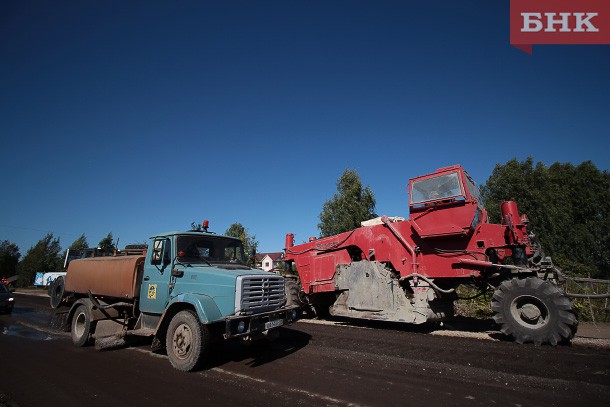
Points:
(182, 341)
(530, 312)
(79, 326)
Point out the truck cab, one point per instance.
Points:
(210, 271)
(445, 203)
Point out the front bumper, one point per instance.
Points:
(245, 325)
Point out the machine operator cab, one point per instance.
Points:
(445, 203)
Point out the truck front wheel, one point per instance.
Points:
(82, 327)
(534, 310)
(187, 341)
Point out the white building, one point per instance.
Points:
(272, 262)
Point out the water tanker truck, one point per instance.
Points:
(185, 290)
(408, 270)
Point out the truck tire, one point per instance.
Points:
(292, 293)
(81, 327)
(187, 341)
(56, 292)
(534, 310)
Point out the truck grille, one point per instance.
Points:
(259, 293)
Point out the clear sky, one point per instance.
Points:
(141, 117)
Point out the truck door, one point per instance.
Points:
(154, 293)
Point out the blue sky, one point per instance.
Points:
(142, 117)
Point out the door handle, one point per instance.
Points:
(146, 278)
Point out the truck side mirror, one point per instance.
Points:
(161, 255)
(157, 253)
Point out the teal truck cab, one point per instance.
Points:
(186, 290)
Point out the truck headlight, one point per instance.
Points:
(11, 299)
(241, 327)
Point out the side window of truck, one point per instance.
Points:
(161, 254)
(167, 252)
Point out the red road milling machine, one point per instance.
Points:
(394, 269)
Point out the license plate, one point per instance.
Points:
(274, 324)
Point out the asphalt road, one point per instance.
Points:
(311, 364)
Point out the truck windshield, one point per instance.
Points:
(209, 249)
(431, 189)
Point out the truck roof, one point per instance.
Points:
(192, 233)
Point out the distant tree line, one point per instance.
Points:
(44, 256)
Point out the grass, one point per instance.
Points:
(588, 310)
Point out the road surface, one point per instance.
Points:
(313, 363)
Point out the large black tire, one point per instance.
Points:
(534, 310)
(292, 293)
(81, 327)
(187, 341)
(56, 292)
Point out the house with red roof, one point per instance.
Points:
(272, 262)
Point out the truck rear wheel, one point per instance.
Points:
(187, 341)
(82, 327)
(534, 310)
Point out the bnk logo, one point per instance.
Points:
(559, 22)
(533, 22)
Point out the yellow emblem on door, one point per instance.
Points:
(152, 291)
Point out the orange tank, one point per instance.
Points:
(118, 277)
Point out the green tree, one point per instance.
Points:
(249, 241)
(106, 244)
(197, 227)
(80, 243)
(568, 207)
(42, 257)
(350, 205)
(9, 258)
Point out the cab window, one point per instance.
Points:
(437, 188)
(209, 249)
(162, 252)
(472, 188)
